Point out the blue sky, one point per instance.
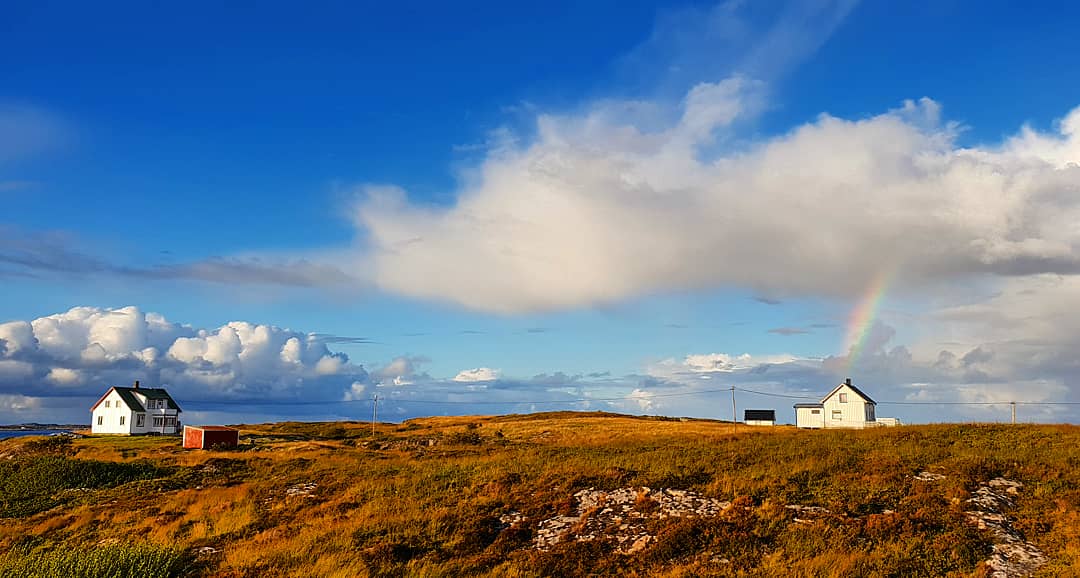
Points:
(451, 206)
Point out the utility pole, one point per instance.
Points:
(734, 416)
(1013, 404)
(374, 412)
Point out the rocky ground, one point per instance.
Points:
(625, 515)
(1013, 555)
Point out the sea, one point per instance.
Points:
(14, 433)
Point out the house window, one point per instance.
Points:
(837, 415)
(122, 420)
(140, 420)
(100, 419)
(843, 398)
(119, 405)
(157, 421)
(815, 411)
(170, 422)
(107, 402)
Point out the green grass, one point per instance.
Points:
(114, 561)
(30, 485)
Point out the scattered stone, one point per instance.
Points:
(510, 519)
(809, 511)
(622, 515)
(305, 490)
(929, 477)
(206, 551)
(812, 510)
(1013, 555)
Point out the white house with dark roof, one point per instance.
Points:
(135, 410)
(846, 406)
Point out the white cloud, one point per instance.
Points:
(402, 370)
(358, 390)
(477, 374)
(87, 349)
(643, 399)
(698, 365)
(604, 205)
(16, 336)
(64, 376)
(17, 403)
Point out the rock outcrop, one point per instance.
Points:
(622, 515)
(1013, 555)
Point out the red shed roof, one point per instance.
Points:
(212, 427)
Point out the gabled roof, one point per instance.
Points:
(857, 391)
(128, 395)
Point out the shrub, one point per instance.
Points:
(465, 438)
(29, 486)
(116, 561)
(51, 445)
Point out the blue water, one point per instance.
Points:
(4, 434)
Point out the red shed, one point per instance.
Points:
(204, 437)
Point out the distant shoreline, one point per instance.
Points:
(43, 427)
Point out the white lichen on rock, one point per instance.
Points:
(622, 515)
(1013, 555)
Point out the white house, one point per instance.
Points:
(135, 410)
(845, 407)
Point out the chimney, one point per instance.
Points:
(137, 383)
(846, 382)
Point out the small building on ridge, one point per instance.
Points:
(759, 416)
(204, 437)
(846, 406)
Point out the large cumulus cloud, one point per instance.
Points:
(85, 349)
(612, 203)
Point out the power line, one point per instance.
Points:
(920, 402)
(631, 397)
(777, 394)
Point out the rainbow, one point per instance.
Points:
(863, 316)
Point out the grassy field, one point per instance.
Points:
(424, 498)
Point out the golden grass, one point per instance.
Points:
(420, 498)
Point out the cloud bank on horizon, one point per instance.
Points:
(265, 372)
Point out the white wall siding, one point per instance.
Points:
(849, 414)
(806, 418)
(106, 420)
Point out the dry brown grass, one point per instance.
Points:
(421, 498)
